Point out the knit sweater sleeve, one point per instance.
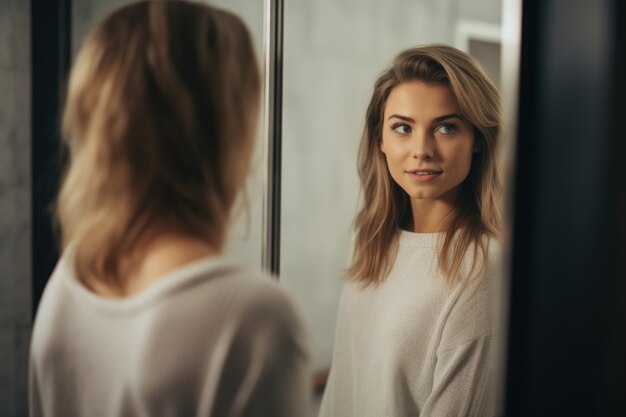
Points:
(465, 353)
(461, 382)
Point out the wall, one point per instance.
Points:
(15, 206)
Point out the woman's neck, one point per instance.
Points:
(430, 216)
(160, 253)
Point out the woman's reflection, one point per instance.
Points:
(415, 325)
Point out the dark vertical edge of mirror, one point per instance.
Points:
(50, 48)
(614, 389)
(518, 333)
(273, 85)
(566, 348)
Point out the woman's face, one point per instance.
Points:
(427, 144)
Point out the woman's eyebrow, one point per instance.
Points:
(446, 116)
(405, 118)
(435, 120)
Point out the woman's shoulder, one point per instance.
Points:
(213, 284)
(495, 246)
(495, 258)
(246, 294)
(256, 308)
(472, 305)
(258, 292)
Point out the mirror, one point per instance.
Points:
(333, 53)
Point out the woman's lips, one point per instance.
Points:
(423, 175)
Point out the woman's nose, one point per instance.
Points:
(423, 146)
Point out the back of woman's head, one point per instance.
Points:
(159, 122)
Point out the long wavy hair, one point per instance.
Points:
(159, 122)
(386, 207)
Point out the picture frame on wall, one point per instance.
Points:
(483, 41)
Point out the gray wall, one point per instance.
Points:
(15, 205)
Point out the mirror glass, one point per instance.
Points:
(333, 53)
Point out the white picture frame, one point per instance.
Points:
(468, 30)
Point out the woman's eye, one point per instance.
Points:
(446, 129)
(401, 128)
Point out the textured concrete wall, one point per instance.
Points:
(15, 205)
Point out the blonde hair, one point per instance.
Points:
(159, 123)
(386, 207)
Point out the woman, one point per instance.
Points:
(414, 331)
(143, 316)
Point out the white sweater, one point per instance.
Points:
(412, 346)
(209, 339)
